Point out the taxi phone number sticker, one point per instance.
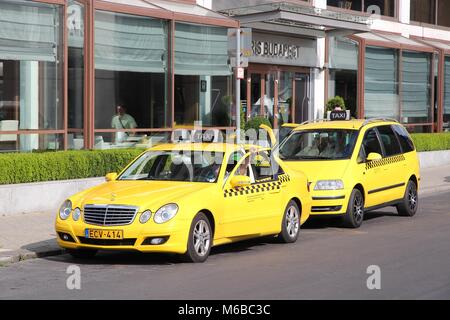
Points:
(103, 234)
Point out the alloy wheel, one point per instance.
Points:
(292, 221)
(202, 238)
(412, 198)
(358, 209)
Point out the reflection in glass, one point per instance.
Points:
(447, 94)
(31, 70)
(202, 76)
(30, 142)
(423, 11)
(416, 87)
(75, 34)
(130, 72)
(381, 83)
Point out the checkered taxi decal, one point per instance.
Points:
(260, 186)
(384, 161)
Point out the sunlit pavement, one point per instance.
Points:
(327, 262)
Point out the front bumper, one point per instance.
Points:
(329, 202)
(134, 236)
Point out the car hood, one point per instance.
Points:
(144, 194)
(320, 170)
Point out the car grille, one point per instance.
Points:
(109, 215)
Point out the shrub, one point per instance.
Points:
(62, 165)
(431, 141)
(255, 122)
(333, 103)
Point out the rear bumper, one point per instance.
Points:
(134, 237)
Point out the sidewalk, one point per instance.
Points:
(32, 235)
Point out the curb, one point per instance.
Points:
(14, 256)
(431, 190)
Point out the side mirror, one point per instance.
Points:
(374, 156)
(111, 176)
(240, 181)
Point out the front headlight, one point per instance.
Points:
(329, 185)
(76, 214)
(65, 210)
(165, 213)
(145, 216)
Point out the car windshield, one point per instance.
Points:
(284, 132)
(175, 165)
(321, 144)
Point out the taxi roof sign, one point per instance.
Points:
(336, 115)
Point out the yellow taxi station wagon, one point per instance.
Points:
(355, 166)
(185, 198)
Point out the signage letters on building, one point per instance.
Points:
(274, 49)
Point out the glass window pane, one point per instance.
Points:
(447, 94)
(389, 140)
(343, 53)
(130, 72)
(423, 11)
(405, 140)
(383, 7)
(143, 140)
(285, 97)
(75, 32)
(30, 142)
(416, 87)
(32, 65)
(381, 83)
(443, 10)
(203, 78)
(349, 5)
(371, 143)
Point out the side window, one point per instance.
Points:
(371, 143)
(389, 140)
(232, 161)
(403, 137)
(245, 169)
(262, 166)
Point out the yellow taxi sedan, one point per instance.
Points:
(355, 166)
(184, 199)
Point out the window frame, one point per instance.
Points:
(379, 143)
(396, 139)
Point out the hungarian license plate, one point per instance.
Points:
(103, 234)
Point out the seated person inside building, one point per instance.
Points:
(122, 120)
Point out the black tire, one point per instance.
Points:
(200, 239)
(290, 225)
(354, 216)
(82, 253)
(410, 202)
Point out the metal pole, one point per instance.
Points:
(238, 86)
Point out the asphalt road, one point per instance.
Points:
(326, 263)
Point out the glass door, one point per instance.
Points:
(302, 97)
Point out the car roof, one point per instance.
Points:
(198, 146)
(290, 125)
(354, 124)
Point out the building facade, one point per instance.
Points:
(67, 65)
(386, 58)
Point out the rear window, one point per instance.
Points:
(389, 140)
(403, 137)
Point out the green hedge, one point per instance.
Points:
(62, 165)
(431, 141)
